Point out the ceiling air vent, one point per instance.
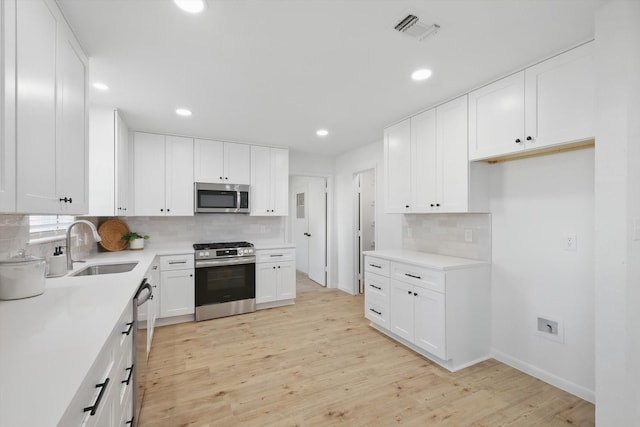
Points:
(411, 26)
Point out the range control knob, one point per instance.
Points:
(201, 254)
(207, 253)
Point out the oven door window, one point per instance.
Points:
(226, 283)
(217, 199)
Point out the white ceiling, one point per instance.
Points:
(274, 71)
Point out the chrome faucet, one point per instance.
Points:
(96, 237)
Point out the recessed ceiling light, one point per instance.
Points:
(421, 74)
(190, 6)
(183, 112)
(100, 86)
(322, 132)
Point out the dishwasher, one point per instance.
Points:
(140, 354)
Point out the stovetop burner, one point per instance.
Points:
(222, 245)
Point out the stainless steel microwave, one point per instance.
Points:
(221, 198)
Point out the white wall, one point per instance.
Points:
(388, 226)
(617, 214)
(534, 202)
(310, 164)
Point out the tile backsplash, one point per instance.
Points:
(14, 232)
(207, 228)
(445, 234)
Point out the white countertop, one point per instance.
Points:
(425, 259)
(49, 342)
(268, 246)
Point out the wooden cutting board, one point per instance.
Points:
(111, 232)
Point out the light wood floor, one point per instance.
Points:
(318, 363)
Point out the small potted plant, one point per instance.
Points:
(136, 240)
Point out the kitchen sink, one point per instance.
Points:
(96, 269)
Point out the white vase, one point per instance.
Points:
(136, 244)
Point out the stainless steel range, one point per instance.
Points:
(225, 279)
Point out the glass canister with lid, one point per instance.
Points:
(21, 276)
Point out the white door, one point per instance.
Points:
(317, 229)
(300, 219)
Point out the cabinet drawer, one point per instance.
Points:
(376, 265)
(376, 284)
(275, 255)
(421, 276)
(176, 262)
(376, 309)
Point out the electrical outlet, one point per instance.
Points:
(468, 235)
(570, 242)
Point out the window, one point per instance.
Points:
(48, 227)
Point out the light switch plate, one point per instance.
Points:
(570, 242)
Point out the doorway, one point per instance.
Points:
(365, 200)
(309, 226)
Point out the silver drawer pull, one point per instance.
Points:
(272, 256)
(376, 287)
(376, 266)
(376, 312)
(411, 275)
(177, 262)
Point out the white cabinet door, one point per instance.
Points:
(71, 150)
(36, 108)
(496, 118)
(208, 161)
(424, 164)
(397, 171)
(122, 170)
(401, 308)
(286, 280)
(149, 174)
(177, 293)
(266, 282)
(269, 181)
(429, 332)
(179, 176)
(560, 99)
(279, 182)
(153, 305)
(237, 163)
(452, 168)
(260, 180)
(7, 109)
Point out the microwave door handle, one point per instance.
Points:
(238, 200)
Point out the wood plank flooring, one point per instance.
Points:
(318, 363)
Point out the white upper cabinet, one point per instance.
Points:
(179, 176)
(124, 202)
(548, 104)
(397, 173)
(7, 108)
(426, 163)
(51, 80)
(221, 162)
(163, 175)
(560, 99)
(269, 181)
(108, 163)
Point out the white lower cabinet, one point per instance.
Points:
(441, 312)
(106, 394)
(275, 277)
(177, 286)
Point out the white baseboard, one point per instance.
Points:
(554, 380)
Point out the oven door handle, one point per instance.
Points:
(225, 261)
